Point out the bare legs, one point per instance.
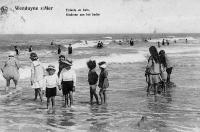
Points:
(155, 85)
(68, 99)
(168, 78)
(8, 84)
(38, 92)
(93, 93)
(103, 96)
(52, 99)
(15, 82)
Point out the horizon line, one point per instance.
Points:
(90, 33)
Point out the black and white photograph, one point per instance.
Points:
(99, 66)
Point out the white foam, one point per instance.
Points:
(180, 49)
(90, 43)
(113, 58)
(25, 72)
(140, 56)
(108, 37)
(173, 38)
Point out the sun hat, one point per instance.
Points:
(11, 54)
(102, 64)
(51, 67)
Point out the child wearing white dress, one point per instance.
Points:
(37, 75)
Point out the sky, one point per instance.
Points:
(116, 16)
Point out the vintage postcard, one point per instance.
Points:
(99, 65)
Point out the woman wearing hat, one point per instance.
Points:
(68, 80)
(11, 70)
(51, 84)
(103, 82)
(37, 75)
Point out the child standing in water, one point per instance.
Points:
(103, 82)
(154, 70)
(92, 80)
(68, 81)
(11, 70)
(61, 64)
(51, 84)
(166, 63)
(37, 75)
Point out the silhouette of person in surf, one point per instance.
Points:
(70, 49)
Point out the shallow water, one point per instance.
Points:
(176, 110)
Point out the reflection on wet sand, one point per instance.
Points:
(98, 124)
(159, 106)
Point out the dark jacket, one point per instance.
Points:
(92, 77)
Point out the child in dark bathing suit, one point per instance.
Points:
(103, 82)
(92, 80)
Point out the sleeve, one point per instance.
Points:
(74, 78)
(43, 69)
(106, 74)
(96, 77)
(45, 83)
(32, 72)
(61, 77)
(150, 63)
(105, 81)
(57, 80)
(17, 63)
(168, 63)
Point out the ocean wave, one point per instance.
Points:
(173, 38)
(25, 72)
(90, 43)
(139, 56)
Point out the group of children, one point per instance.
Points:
(158, 69)
(93, 79)
(46, 80)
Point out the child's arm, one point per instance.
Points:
(60, 78)
(74, 80)
(57, 82)
(105, 81)
(32, 74)
(17, 64)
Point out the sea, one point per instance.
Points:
(128, 107)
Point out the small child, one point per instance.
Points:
(37, 75)
(51, 84)
(68, 81)
(103, 82)
(92, 80)
(165, 61)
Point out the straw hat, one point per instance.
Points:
(51, 67)
(102, 64)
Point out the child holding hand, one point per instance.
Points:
(51, 83)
